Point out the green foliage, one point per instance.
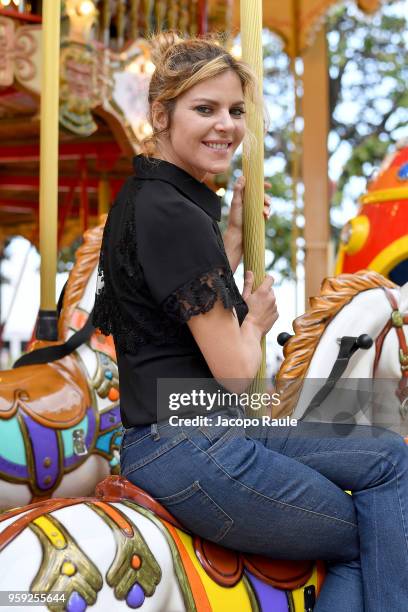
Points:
(67, 255)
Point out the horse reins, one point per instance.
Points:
(396, 321)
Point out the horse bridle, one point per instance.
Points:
(397, 321)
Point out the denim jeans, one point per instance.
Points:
(281, 492)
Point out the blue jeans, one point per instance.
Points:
(281, 492)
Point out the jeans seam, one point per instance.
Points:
(188, 492)
(401, 510)
(334, 452)
(161, 451)
(384, 458)
(276, 501)
(136, 441)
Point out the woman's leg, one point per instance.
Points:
(230, 488)
(373, 464)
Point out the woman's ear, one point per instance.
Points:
(159, 116)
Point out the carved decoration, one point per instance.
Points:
(64, 567)
(18, 45)
(87, 257)
(78, 92)
(80, 21)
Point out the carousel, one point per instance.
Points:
(74, 533)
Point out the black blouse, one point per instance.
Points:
(162, 261)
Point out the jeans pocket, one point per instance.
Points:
(198, 512)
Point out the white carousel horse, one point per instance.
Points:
(60, 426)
(373, 388)
(122, 550)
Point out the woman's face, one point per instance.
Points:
(207, 126)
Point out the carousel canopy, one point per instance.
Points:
(104, 73)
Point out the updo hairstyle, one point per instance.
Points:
(181, 64)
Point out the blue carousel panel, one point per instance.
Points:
(399, 274)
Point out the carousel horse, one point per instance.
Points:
(122, 550)
(60, 427)
(369, 371)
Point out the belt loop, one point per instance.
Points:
(154, 432)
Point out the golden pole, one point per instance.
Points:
(104, 195)
(253, 162)
(47, 326)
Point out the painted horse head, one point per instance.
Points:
(350, 305)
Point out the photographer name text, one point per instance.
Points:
(205, 421)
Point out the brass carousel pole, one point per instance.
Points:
(47, 324)
(253, 163)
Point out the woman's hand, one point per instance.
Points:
(233, 234)
(262, 309)
(235, 219)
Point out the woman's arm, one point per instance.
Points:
(233, 353)
(233, 246)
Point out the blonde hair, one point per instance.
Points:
(181, 64)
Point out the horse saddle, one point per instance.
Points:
(53, 394)
(223, 565)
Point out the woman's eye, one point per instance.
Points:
(206, 110)
(203, 109)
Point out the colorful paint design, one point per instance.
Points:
(377, 238)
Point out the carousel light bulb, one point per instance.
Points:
(86, 7)
(149, 67)
(236, 51)
(134, 67)
(146, 129)
(5, 2)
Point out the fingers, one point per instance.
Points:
(238, 191)
(249, 278)
(267, 283)
(267, 207)
(239, 183)
(248, 284)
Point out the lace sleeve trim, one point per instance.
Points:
(199, 295)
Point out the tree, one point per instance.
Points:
(368, 73)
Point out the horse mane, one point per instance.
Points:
(87, 257)
(336, 292)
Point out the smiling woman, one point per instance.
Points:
(209, 116)
(166, 292)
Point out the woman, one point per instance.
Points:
(167, 294)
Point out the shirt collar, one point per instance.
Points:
(198, 192)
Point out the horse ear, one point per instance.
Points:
(404, 297)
